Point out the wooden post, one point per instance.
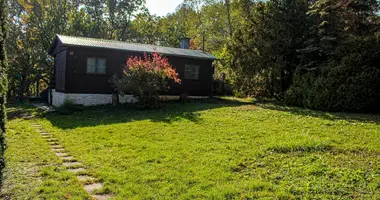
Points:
(20, 86)
(38, 86)
(51, 84)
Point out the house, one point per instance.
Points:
(83, 67)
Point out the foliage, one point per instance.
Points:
(69, 107)
(209, 23)
(3, 80)
(223, 149)
(348, 83)
(33, 25)
(263, 52)
(118, 21)
(318, 54)
(145, 78)
(340, 70)
(147, 28)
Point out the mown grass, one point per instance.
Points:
(32, 169)
(224, 150)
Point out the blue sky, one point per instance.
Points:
(162, 7)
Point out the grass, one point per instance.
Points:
(32, 169)
(202, 150)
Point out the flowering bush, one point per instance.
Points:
(145, 78)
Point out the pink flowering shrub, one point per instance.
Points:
(145, 78)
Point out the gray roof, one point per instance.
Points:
(128, 46)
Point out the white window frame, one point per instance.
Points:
(191, 72)
(96, 66)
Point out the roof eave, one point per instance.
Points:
(53, 45)
(174, 55)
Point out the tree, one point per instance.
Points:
(32, 28)
(173, 27)
(228, 10)
(120, 14)
(263, 51)
(111, 19)
(338, 69)
(3, 79)
(147, 28)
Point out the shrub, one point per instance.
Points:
(69, 107)
(145, 78)
(222, 87)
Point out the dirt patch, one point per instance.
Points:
(77, 170)
(19, 113)
(246, 108)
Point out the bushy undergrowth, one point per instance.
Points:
(349, 81)
(69, 107)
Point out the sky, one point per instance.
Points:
(162, 7)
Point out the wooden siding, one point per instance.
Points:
(60, 70)
(78, 81)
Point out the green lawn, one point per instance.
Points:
(32, 170)
(200, 150)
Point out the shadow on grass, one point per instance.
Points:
(168, 113)
(22, 110)
(334, 116)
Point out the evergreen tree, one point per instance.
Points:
(264, 49)
(338, 69)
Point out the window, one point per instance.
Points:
(192, 72)
(96, 65)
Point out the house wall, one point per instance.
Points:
(60, 70)
(59, 98)
(77, 81)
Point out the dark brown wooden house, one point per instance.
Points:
(83, 67)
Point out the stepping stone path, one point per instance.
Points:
(90, 184)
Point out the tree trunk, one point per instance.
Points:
(228, 8)
(3, 79)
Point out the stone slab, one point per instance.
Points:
(61, 154)
(102, 196)
(71, 164)
(93, 187)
